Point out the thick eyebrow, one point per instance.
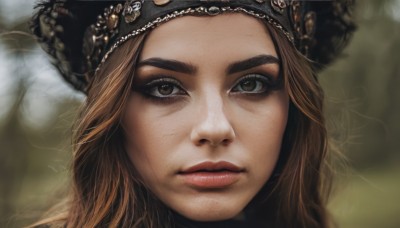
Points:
(169, 64)
(177, 66)
(251, 63)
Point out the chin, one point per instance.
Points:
(210, 214)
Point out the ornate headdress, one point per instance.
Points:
(81, 34)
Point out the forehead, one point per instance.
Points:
(232, 35)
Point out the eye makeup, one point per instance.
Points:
(157, 78)
(256, 84)
(168, 89)
(161, 88)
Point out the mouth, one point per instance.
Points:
(212, 167)
(210, 175)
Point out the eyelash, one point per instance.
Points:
(263, 83)
(151, 89)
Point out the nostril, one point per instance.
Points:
(225, 142)
(202, 141)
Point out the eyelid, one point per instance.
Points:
(268, 82)
(256, 75)
(156, 79)
(151, 84)
(261, 76)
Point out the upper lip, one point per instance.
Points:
(212, 166)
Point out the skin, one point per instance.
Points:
(206, 113)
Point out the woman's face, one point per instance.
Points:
(207, 113)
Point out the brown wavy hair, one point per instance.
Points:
(106, 190)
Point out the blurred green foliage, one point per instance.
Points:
(363, 110)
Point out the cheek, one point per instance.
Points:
(262, 135)
(140, 138)
(150, 134)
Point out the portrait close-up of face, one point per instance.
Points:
(195, 113)
(199, 113)
(205, 121)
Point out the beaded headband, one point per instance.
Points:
(80, 35)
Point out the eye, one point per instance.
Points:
(162, 88)
(252, 84)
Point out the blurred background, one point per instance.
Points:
(37, 110)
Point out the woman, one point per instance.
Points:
(198, 113)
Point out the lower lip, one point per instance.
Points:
(211, 180)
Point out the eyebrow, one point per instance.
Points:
(169, 64)
(186, 68)
(251, 63)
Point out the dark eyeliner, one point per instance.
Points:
(152, 82)
(269, 83)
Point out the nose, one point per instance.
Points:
(212, 126)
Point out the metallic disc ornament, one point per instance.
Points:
(310, 23)
(132, 10)
(278, 5)
(161, 2)
(112, 22)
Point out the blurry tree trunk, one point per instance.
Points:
(13, 156)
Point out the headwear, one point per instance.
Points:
(81, 34)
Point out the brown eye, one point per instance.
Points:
(248, 85)
(162, 88)
(252, 84)
(165, 89)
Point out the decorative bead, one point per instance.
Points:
(59, 45)
(118, 8)
(54, 14)
(105, 40)
(45, 28)
(107, 11)
(310, 22)
(213, 10)
(278, 5)
(260, 1)
(89, 41)
(59, 29)
(282, 4)
(112, 22)
(296, 16)
(60, 56)
(65, 67)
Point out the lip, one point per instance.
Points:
(211, 175)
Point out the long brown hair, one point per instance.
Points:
(106, 191)
(105, 187)
(297, 193)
